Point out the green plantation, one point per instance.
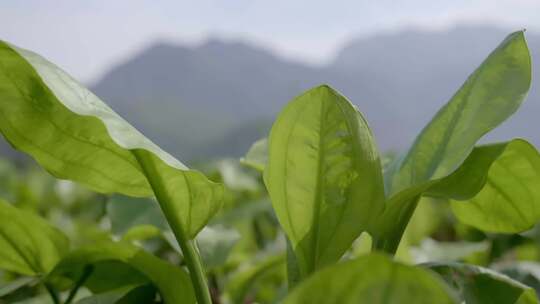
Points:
(314, 213)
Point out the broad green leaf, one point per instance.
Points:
(489, 96)
(462, 184)
(372, 279)
(257, 155)
(118, 265)
(510, 200)
(74, 135)
(28, 244)
(479, 285)
(323, 176)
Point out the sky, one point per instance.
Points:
(87, 37)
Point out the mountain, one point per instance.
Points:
(216, 98)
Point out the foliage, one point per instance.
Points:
(315, 215)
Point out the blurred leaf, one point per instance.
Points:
(12, 286)
(74, 135)
(482, 285)
(28, 244)
(40, 299)
(126, 295)
(139, 219)
(371, 279)
(509, 201)
(427, 218)
(527, 273)
(235, 177)
(241, 282)
(257, 155)
(489, 96)
(117, 265)
(243, 212)
(127, 212)
(141, 233)
(323, 176)
(215, 244)
(431, 251)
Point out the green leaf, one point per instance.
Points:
(431, 250)
(323, 176)
(143, 232)
(236, 178)
(257, 155)
(525, 272)
(74, 135)
(215, 244)
(28, 244)
(118, 265)
(138, 219)
(509, 202)
(16, 284)
(372, 279)
(488, 97)
(482, 285)
(128, 212)
(467, 184)
(126, 295)
(240, 282)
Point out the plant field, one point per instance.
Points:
(313, 213)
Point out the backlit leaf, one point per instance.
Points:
(74, 135)
(323, 176)
(28, 244)
(372, 279)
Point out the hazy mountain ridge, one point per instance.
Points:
(215, 99)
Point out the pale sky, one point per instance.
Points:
(87, 37)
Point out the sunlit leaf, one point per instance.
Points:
(323, 176)
(372, 279)
(74, 135)
(489, 96)
(510, 200)
(28, 244)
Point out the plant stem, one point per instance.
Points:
(53, 293)
(196, 271)
(191, 257)
(188, 246)
(88, 269)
